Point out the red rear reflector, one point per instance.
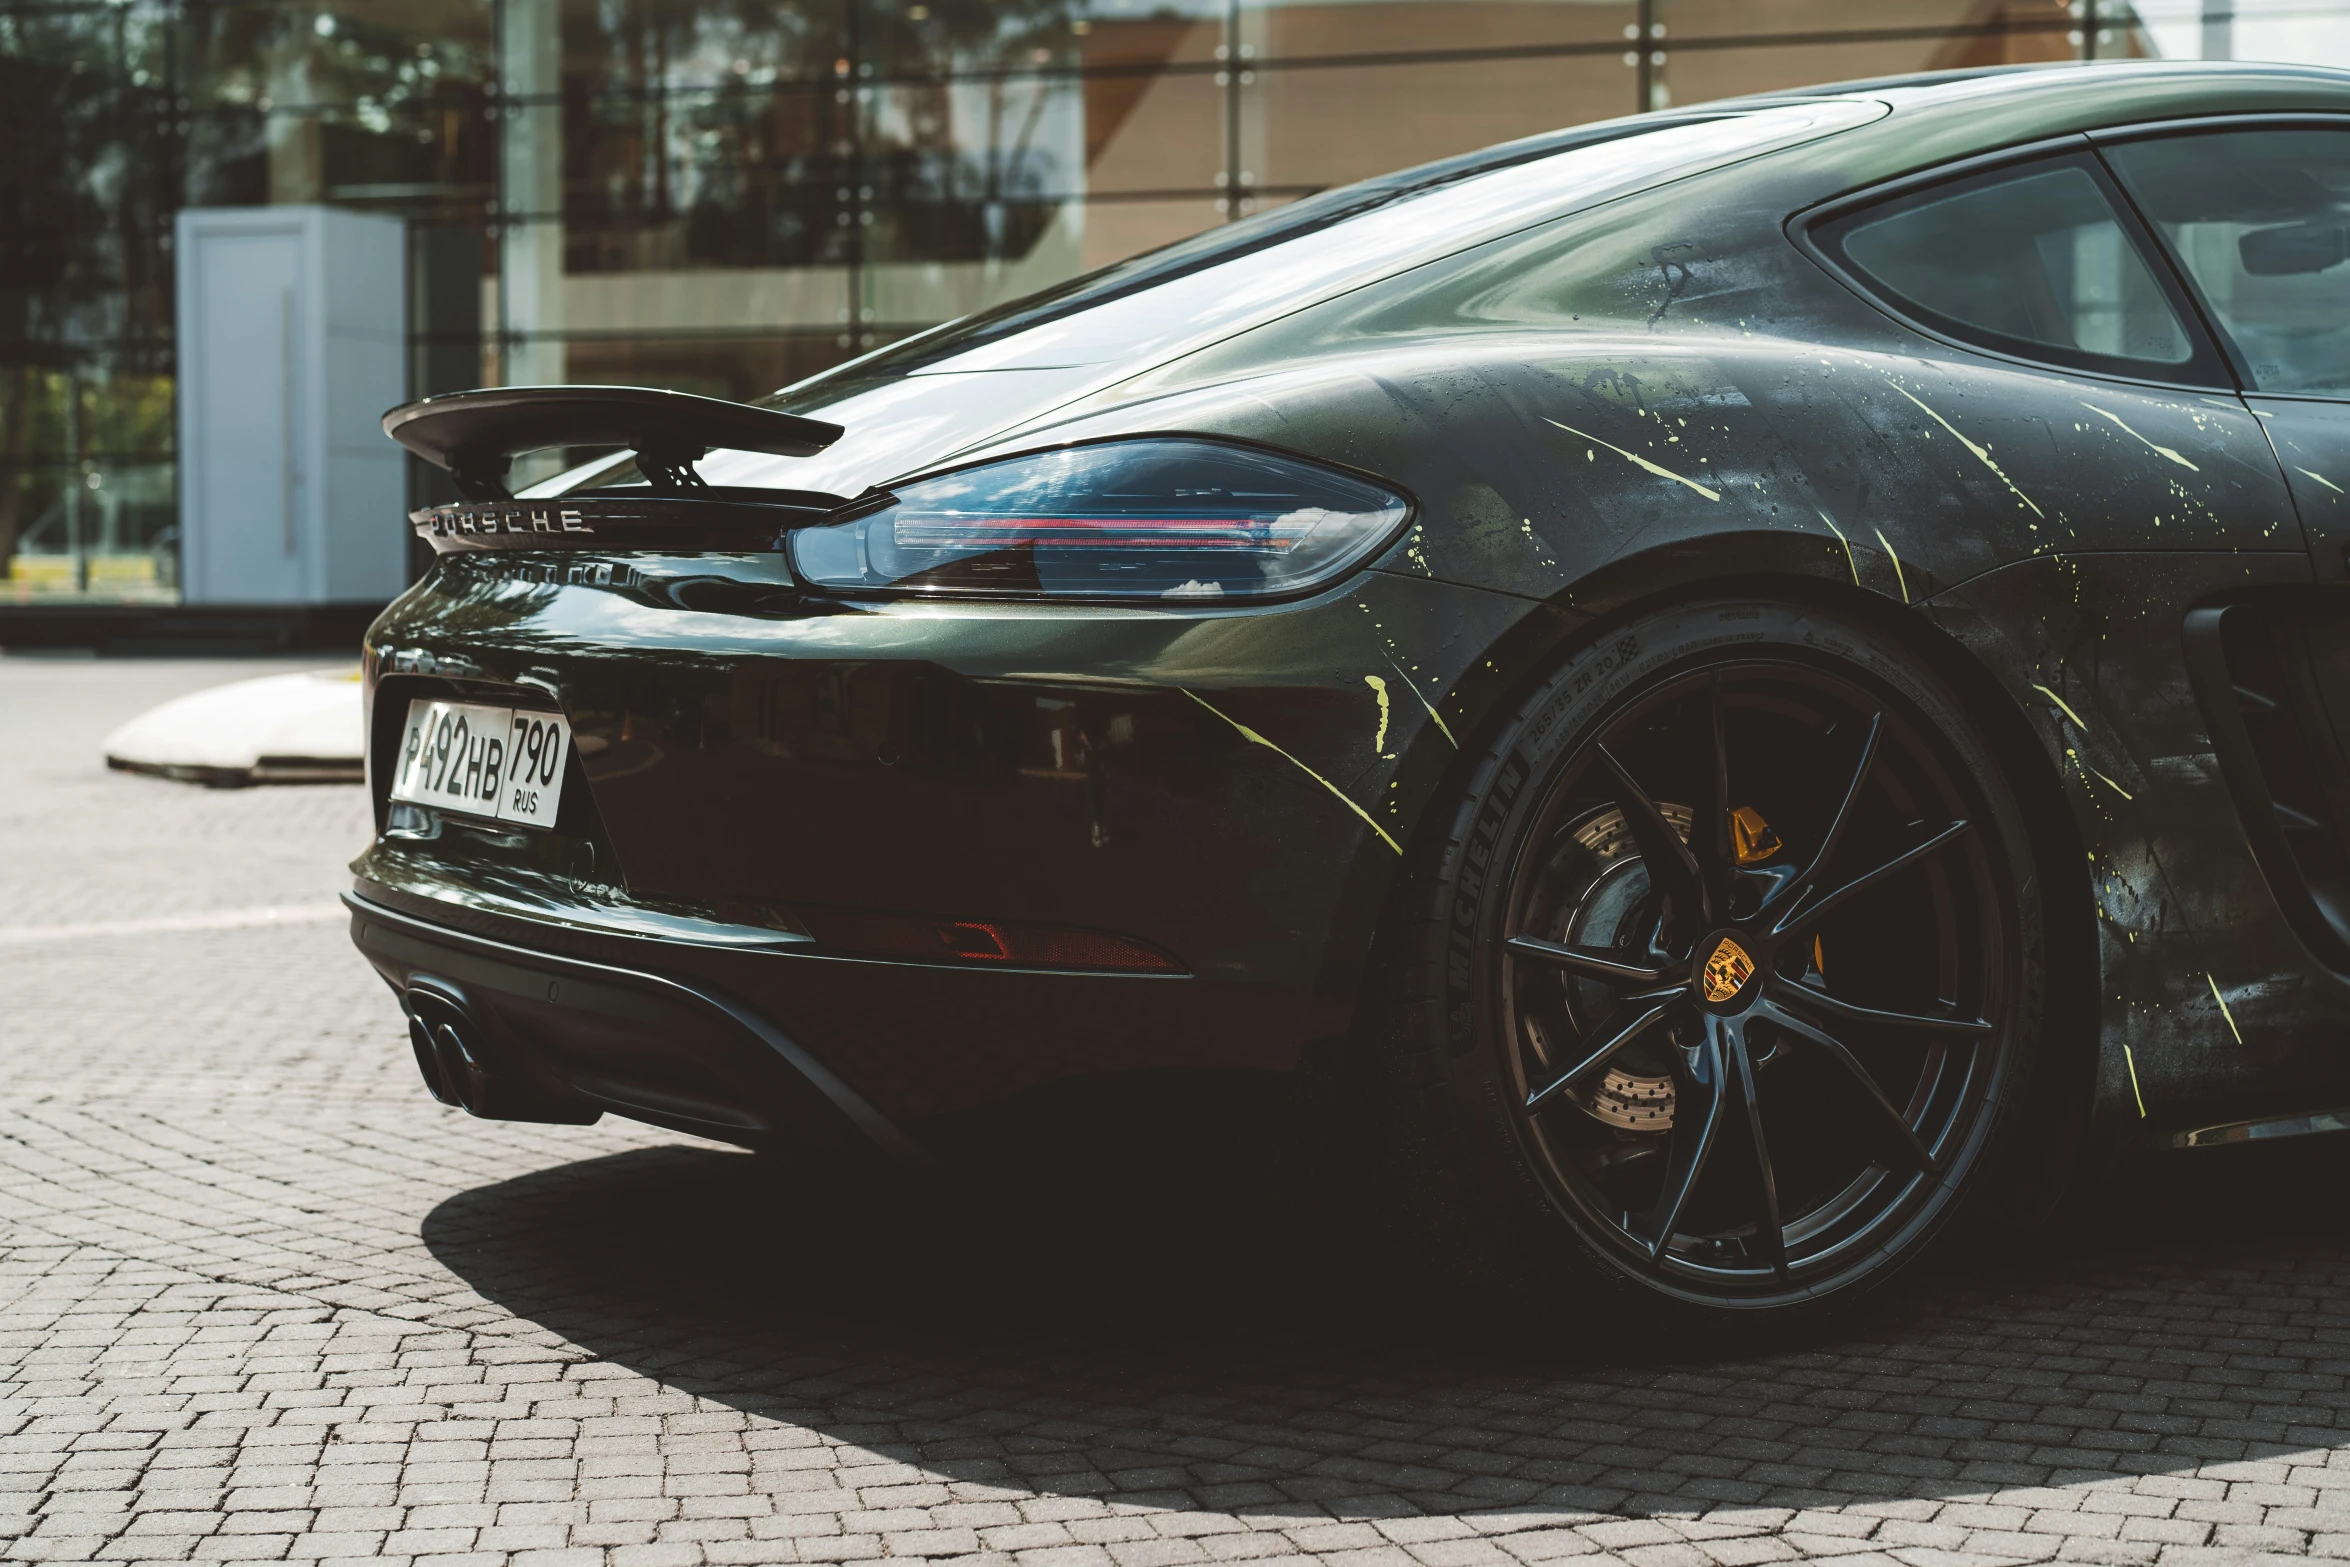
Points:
(924, 938)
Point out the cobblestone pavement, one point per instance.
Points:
(260, 1298)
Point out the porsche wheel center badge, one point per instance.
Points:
(1727, 971)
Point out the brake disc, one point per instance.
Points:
(1604, 891)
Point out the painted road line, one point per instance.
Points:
(172, 924)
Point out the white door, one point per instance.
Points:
(249, 308)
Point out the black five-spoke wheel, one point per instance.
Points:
(1744, 972)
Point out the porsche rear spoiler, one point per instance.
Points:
(475, 435)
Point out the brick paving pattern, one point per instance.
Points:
(261, 1299)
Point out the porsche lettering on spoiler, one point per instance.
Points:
(449, 521)
(615, 522)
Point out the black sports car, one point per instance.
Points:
(1754, 684)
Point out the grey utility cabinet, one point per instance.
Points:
(292, 343)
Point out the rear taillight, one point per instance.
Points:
(1164, 517)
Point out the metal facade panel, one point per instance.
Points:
(293, 328)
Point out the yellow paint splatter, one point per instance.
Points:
(1526, 526)
(1899, 576)
(2131, 1062)
(1442, 726)
(1850, 564)
(1639, 461)
(1982, 453)
(2062, 704)
(2322, 479)
(2223, 1008)
(1413, 553)
(2169, 452)
(1253, 738)
(2075, 757)
(1379, 690)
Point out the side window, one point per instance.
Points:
(2032, 260)
(2260, 219)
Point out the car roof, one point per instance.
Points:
(1879, 84)
(1941, 116)
(2088, 95)
(2102, 80)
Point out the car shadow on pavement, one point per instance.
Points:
(1224, 1331)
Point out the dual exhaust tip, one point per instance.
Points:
(477, 1068)
(449, 1052)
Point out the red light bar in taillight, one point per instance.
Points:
(934, 530)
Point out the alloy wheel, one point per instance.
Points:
(1750, 981)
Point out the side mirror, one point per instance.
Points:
(2295, 248)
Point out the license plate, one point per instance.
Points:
(500, 762)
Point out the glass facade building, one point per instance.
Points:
(723, 196)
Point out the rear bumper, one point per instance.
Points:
(786, 1044)
(520, 1034)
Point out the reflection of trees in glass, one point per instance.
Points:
(727, 133)
(975, 159)
(303, 105)
(287, 104)
(96, 433)
(700, 133)
(82, 285)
